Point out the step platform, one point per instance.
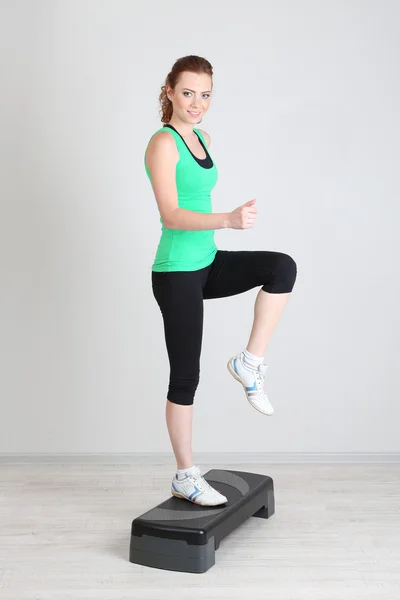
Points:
(180, 536)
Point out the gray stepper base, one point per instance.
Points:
(180, 536)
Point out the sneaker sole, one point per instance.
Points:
(178, 495)
(234, 374)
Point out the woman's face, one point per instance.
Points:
(191, 96)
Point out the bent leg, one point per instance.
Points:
(235, 272)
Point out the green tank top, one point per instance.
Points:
(182, 250)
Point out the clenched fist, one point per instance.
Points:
(244, 216)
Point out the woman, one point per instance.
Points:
(188, 267)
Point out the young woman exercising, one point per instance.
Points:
(188, 268)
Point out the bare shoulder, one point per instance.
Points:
(162, 140)
(160, 143)
(206, 137)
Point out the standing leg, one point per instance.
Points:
(179, 296)
(179, 424)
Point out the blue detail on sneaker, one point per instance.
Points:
(252, 388)
(249, 389)
(175, 487)
(195, 493)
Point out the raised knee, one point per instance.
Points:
(290, 268)
(288, 272)
(284, 275)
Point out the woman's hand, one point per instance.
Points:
(244, 216)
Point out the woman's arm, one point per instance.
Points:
(161, 158)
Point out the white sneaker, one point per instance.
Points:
(196, 489)
(253, 383)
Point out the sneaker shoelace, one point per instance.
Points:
(202, 484)
(260, 377)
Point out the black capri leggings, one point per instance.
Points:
(180, 296)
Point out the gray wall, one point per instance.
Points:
(304, 117)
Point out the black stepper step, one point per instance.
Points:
(180, 536)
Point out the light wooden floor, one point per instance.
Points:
(65, 531)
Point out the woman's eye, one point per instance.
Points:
(207, 95)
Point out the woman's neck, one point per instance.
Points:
(185, 129)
